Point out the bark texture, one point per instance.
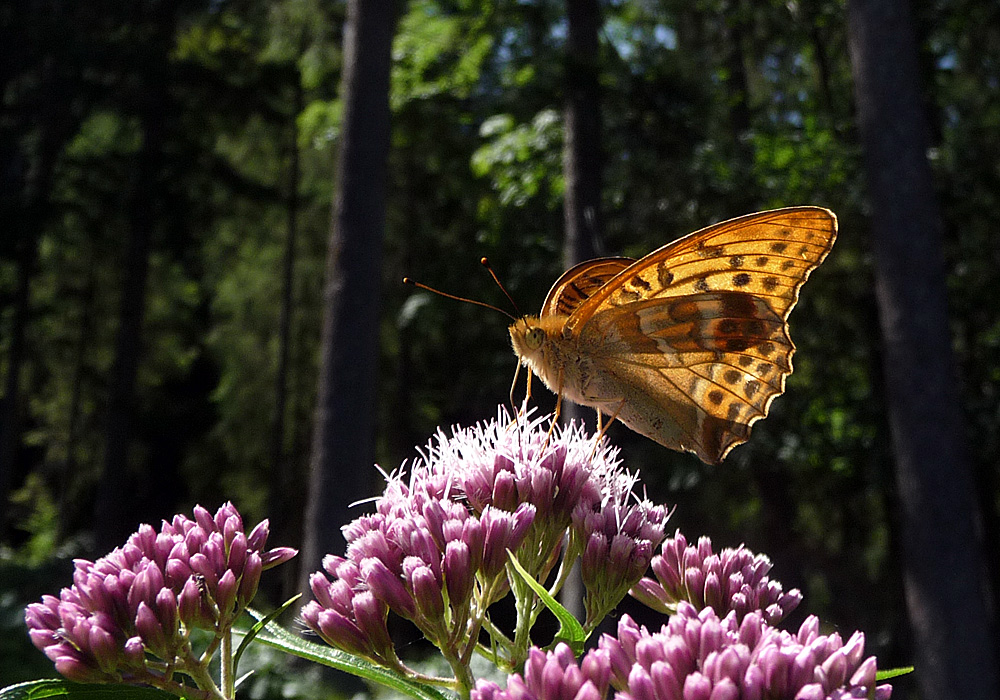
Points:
(946, 589)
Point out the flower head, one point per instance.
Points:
(135, 603)
(698, 656)
(618, 539)
(732, 580)
(435, 549)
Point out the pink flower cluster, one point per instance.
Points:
(124, 618)
(438, 541)
(732, 580)
(698, 656)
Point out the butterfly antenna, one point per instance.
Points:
(486, 263)
(419, 285)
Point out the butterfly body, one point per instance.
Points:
(690, 344)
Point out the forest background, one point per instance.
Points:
(166, 176)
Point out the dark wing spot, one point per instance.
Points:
(736, 261)
(763, 368)
(711, 251)
(778, 247)
(731, 376)
(751, 388)
(627, 295)
(766, 348)
(736, 344)
(738, 305)
(786, 232)
(663, 275)
(715, 396)
(728, 326)
(741, 279)
(770, 283)
(746, 360)
(756, 328)
(760, 261)
(803, 250)
(701, 285)
(639, 282)
(788, 265)
(734, 411)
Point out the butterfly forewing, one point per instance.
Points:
(694, 337)
(767, 254)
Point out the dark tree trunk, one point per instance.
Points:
(124, 486)
(10, 406)
(582, 163)
(582, 118)
(740, 118)
(343, 455)
(66, 486)
(115, 505)
(284, 492)
(944, 567)
(24, 192)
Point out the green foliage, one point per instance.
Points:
(40, 520)
(522, 160)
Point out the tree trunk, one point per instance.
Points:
(115, 507)
(343, 454)
(26, 184)
(738, 88)
(944, 565)
(123, 486)
(10, 406)
(582, 119)
(284, 482)
(84, 341)
(582, 164)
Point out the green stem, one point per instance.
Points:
(524, 602)
(226, 664)
(198, 672)
(186, 691)
(463, 674)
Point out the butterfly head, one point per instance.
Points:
(534, 338)
(527, 337)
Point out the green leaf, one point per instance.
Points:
(280, 638)
(893, 672)
(252, 633)
(570, 630)
(60, 688)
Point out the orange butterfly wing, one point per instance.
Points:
(694, 336)
(578, 283)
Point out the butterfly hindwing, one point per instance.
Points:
(578, 283)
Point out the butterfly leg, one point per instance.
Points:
(602, 430)
(558, 410)
(513, 388)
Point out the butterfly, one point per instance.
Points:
(689, 345)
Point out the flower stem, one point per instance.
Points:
(226, 664)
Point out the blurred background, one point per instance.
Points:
(166, 176)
